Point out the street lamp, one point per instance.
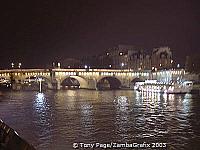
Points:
(40, 82)
(86, 66)
(12, 65)
(19, 65)
(122, 64)
(59, 65)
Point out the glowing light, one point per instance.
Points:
(40, 104)
(19, 65)
(59, 65)
(12, 65)
(122, 102)
(40, 97)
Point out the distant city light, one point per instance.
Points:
(120, 53)
(86, 66)
(110, 66)
(122, 64)
(160, 65)
(107, 54)
(178, 65)
(152, 68)
(172, 61)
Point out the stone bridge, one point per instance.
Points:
(94, 78)
(87, 78)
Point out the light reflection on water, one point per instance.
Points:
(54, 120)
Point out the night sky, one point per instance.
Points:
(39, 32)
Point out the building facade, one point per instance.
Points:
(161, 58)
(125, 57)
(131, 57)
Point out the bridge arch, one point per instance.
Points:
(134, 80)
(108, 82)
(45, 81)
(79, 81)
(137, 79)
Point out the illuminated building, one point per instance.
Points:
(161, 58)
(126, 57)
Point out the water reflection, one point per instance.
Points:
(43, 118)
(40, 103)
(187, 100)
(123, 124)
(60, 118)
(87, 120)
(66, 100)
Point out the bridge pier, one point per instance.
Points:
(58, 87)
(91, 84)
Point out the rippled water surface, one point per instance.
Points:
(55, 120)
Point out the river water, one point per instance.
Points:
(54, 120)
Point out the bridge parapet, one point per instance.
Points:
(89, 78)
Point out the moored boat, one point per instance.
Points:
(161, 87)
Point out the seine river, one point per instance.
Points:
(54, 120)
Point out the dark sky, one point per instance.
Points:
(38, 32)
